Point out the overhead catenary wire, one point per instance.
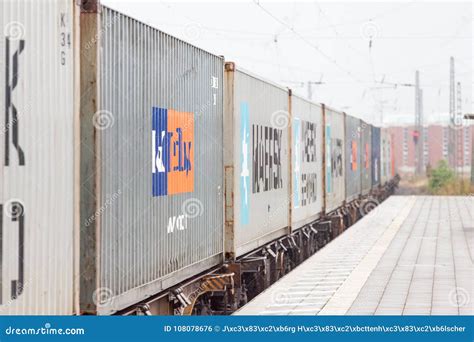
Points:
(333, 76)
(308, 42)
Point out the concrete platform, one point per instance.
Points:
(412, 255)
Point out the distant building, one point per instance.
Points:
(435, 147)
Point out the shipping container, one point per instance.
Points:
(335, 186)
(353, 164)
(365, 157)
(37, 157)
(392, 155)
(385, 159)
(147, 223)
(257, 161)
(307, 166)
(375, 156)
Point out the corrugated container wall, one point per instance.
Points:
(256, 161)
(161, 175)
(385, 155)
(334, 160)
(353, 165)
(375, 156)
(307, 166)
(36, 155)
(366, 157)
(392, 155)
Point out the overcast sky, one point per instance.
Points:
(358, 50)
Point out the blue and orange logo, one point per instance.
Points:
(173, 152)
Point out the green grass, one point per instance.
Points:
(443, 181)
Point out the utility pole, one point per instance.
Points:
(458, 131)
(452, 114)
(471, 117)
(309, 86)
(418, 134)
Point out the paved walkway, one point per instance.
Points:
(409, 256)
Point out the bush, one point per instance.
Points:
(443, 181)
(440, 177)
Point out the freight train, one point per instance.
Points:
(143, 175)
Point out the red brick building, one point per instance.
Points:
(435, 147)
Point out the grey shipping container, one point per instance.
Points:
(307, 161)
(335, 154)
(353, 167)
(146, 223)
(256, 158)
(365, 157)
(385, 155)
(375, 156)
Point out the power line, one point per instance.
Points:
(358, 22)
(309, 43)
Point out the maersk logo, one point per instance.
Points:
(172, 152)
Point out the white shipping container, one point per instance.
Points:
(307, 166)
(256, 159)
(334, 159)
(36, 155)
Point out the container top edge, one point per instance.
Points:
(159, 30)
(332, 109)
(302, 98)
(260, 78)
